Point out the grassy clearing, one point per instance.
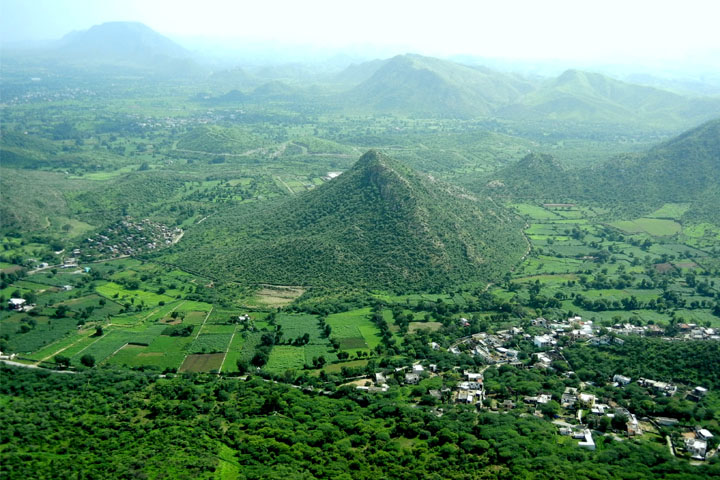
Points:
(432, 326)
(228, 468)
(337, 367)
(316, 351)
(671, 210)
(535, 212)
(114, 291)
(278, 296)
(194, 318)
(209, 329)
(353, 330)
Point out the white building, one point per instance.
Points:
(586, 439)
(621, 379)
(544, 341)
(16, 303)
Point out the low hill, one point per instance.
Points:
(537, 177)
(684, 169)
(591, 97)
(413, 84)
(219, 140)
(378, 225)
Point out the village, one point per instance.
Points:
(581, 413)
(128, 237)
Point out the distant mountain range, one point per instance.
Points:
(423, 86)
(408, 84)
(378, 225)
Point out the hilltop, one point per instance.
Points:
(378, 225)
(683, 169)
(430, 86)
(536, 176)
(592, 97)
(121, 40)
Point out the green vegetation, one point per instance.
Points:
(216, 273)
(378, 225)
(248, 425)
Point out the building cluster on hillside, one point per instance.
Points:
(130, 237)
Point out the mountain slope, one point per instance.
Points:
(537, 177)
(429, 86)
(592, 97)
(684, 169)
(378, 225)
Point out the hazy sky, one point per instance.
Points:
(605, 30)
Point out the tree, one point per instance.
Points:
(62, 361)
(98, 331)
(87, 360)
(242, 366)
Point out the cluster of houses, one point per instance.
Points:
(696, 444)
(129, 237)
(490, 347)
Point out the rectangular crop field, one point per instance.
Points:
(295, 326)
(285, 357)
(202, 362)
(114, 290)
(353, 330)
(211, 343)
(652, 226)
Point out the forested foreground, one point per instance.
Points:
(113, 424)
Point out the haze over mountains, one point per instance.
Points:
(405, 84)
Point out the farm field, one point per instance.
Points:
(285, 357)
(354, 331)
(656, 227)
(202, 363)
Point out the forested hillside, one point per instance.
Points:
(378, 225)
(110, 424)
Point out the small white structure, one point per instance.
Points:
(587, 399)
(696, 448)
(543, 341)
(473, 377)
(412, 378)
(16, 303)
(417, 368)
(703, 434)
(586, 439)
(699, 392)
(621, 379)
